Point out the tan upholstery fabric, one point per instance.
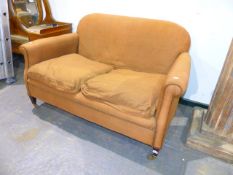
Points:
(102, 107)
(48, 48)
(139, 44)
(179, 72)
(79, 98)
(140, 129)
(126, 90)
(66, 73)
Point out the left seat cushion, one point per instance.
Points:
(67, 73)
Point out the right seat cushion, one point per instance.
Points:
(66, 73)
(126, 90)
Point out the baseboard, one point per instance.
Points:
(193, 103)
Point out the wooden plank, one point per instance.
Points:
(219, 117)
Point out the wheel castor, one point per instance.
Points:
(154, 154)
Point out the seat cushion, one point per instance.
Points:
(66, 73)
(126, 90)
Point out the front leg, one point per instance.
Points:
(154, 154)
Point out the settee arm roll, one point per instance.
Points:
(179, 73)
(47, 48)
(175, 86)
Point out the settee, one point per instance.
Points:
(123, 73)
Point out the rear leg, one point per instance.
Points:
(33, 100)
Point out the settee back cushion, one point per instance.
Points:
(135, 43)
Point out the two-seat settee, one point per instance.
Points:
(123, 73)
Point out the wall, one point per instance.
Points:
(209, 23)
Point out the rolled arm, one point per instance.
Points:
(179, 72)
(47, 48)
(175, 86)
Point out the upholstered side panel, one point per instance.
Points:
(125, 42)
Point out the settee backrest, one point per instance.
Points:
(139, 44)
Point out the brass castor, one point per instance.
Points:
(154, 154)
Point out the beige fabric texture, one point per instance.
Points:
(48, 48)
(67, 73)
(179, 72)
(155, 47)
(144, 45)
(126, 90)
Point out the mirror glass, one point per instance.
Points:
(27, 11)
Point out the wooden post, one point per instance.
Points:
(219, 118)
(212, 131)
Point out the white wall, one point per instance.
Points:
(209, 22)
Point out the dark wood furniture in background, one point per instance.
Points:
(31, 20)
